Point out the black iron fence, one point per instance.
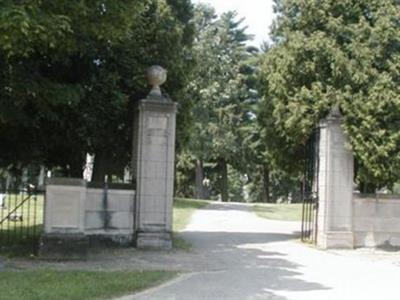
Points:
(309, 224)
(21, 219)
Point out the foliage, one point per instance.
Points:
(217, 87)
(329, 53)
(71, 73)
(184, 175)
(215, 84)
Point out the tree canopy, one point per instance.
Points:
(71, 72)
(329, 53)
(219, 90)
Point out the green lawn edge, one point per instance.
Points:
(72, 285)
(183, 212)
(279, 212)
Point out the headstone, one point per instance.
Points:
(41, 177)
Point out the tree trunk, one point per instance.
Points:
(223, 166)
(266, 184)
(367, 188)
(76, 171)
(99, 167)
(75, 167)
(199, 180)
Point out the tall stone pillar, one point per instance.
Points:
(155, 156)
(335, 186)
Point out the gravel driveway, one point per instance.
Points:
(237, 255)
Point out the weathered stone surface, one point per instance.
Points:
(154, 240)
(111, 240)
(335, 186)
(74, 209)
(376, 221)
(336, 240)
(155, 155)
(156, 76)
(65, 206)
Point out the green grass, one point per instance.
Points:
(281, 212)
(183, 211)
(19, 238)
(72, 285)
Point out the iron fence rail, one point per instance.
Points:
(309, 224)
(21, 218)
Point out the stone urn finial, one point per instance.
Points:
(156, 76)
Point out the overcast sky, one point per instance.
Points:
(258, 13)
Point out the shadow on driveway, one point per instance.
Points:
(237, 265)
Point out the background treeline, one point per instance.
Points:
(72, 71)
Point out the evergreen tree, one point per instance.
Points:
(329, 53)
(217, 89)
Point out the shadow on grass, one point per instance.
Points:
(20, 241)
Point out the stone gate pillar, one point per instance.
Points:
(335, 186)
(155, 160)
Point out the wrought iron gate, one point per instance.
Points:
(309, 224)
(21, 219)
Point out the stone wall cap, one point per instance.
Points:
(66, 181)
(156, 101)
(110, 186)
(361, 196)
(150, 104)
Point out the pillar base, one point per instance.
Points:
(336, 240)
(64, 246)
(154, 240)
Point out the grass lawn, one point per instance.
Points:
(282, 212)
(19, 237)
(72, 285)
(183, 211)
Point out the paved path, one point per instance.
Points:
(240, 256)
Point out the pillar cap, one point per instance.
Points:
(156, 76)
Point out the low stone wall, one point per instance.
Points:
(77, 209)
(376, 220)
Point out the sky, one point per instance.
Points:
(258, 13)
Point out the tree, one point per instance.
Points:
(72, 72)
(217, 89)
(329, 53)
